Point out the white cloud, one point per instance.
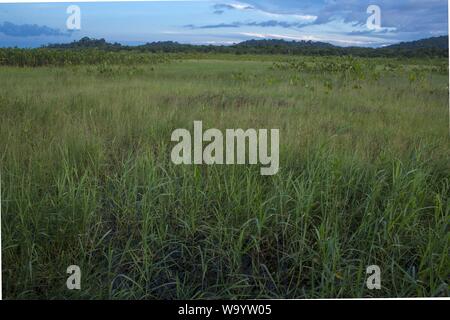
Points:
(240, 6)
(335, 39)
(245, 6)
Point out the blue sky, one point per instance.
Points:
(341, 22)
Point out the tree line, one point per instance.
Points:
(89, 51)
(431, 47)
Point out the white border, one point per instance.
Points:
(79, 1)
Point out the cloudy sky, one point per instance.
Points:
(341, 22)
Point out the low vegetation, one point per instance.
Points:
(86, 176)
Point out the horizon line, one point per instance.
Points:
(122, 43)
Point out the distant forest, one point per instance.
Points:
(431, 47)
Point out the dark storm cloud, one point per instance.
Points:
(263, 24)
(214, 26)
(28, 30)
(425, 16)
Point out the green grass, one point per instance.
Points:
(87, 179)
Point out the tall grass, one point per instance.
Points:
(87, 179)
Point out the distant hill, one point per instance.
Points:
(266, 43)
(431, 47)
(87, 42)
(435, 42)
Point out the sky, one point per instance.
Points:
(340, 22)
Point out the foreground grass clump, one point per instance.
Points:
(87, 179)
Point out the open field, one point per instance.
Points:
(364, 179)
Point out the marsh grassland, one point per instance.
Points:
(86, 179)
